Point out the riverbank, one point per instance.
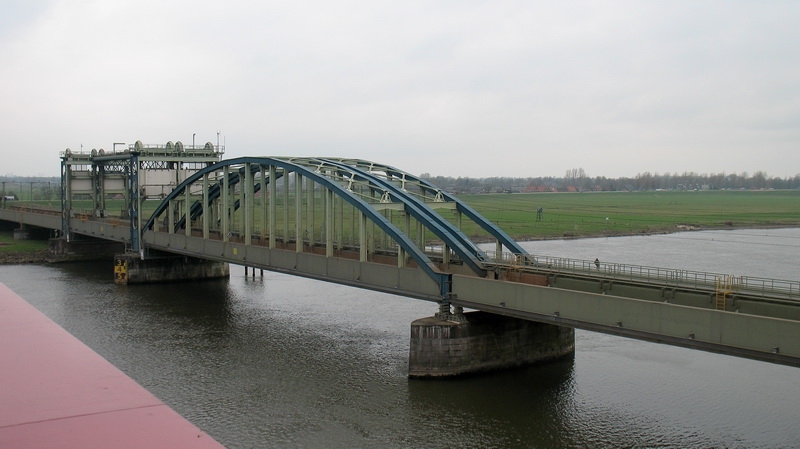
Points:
(600, 234)
(22, 251)
(23, 257)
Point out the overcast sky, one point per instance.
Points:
(453, 88)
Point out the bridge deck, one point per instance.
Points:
(777, 289)
(58, 393)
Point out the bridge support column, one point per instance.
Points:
(483, 342)
(132, 269)
(22, 233)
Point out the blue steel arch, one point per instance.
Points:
(214, 192)
(196, 209)
(443, 229)
(462, 207)
(422, 260)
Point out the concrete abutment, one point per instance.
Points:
(22, 233)
(132, 269)
(26, 232)
(60, 249)
(483, 342)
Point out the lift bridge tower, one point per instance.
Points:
(115, 185)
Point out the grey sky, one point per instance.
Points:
(454, 88)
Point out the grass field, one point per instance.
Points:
(588, 214)
(620, 213)
(8, 244)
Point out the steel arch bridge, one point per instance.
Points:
(373, 226)
(256, 209)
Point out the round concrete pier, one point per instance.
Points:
(485, 342)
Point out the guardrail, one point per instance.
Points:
(21, 206)
(763, 287)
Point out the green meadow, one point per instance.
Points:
(587, 214)
(625, 213)
(8, 244)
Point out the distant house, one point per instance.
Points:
(532, 189)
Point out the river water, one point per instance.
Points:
(287, 362)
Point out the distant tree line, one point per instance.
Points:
(577, 180)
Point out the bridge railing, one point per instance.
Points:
(650, 275)
(37, 209)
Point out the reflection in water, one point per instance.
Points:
(517, 408)
(288, 362)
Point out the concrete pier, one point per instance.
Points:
(485, 342)
(132, 269)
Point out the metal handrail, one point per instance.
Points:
(649, 275)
